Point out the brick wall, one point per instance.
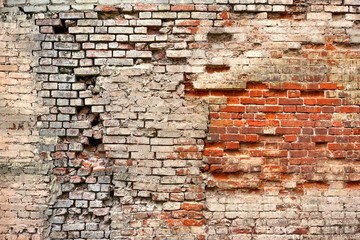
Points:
(181, 120)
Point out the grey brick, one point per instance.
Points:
(46, 69)
(122, 30)
(58, 8)
(102, 37)
(81, 30)
(63, 117)
(203, 15)
(149, 22)
(110, 2)
(39, 2)
(92, 234)
(77, 147)
(87, 71)
(48, 53)
(138, 54)
(120, 62)
(64, 94)
(73, 226)
(81, 124)
(32, 9)
(62, 102)
(89, 22)
(14, 2)
(63, 203)
(71, 15)
(142, 38)
(62, 78)
(63, 62)
(81, 204)
(98, 53)
(64, 86)
(66, 46)
(72, 132)
(76, 102)
(49, 22)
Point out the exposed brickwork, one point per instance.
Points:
(24, 192)
(180, 119)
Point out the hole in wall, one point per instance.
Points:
(63, 29)
(108, 15)
(153, 30)
(217, 68)
(219, 37)
(321, 145)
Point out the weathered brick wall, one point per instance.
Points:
(24, 184)
(180, 119)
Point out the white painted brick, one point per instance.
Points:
(164, 15)
(283, 2)
(122, 30)
(178, 53)
(240, 8)
(279, 8)
(336, 8)
(39, 2)
(142, 38)
(110, 2)
(151, 22)
(171, 206)
(138, 54)
(319, 16)
(203, 15)
(352, 2)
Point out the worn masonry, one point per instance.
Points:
(179, 119)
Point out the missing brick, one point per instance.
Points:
(219, 37)
(321, 145)
(66, 70)
(217, 68)
(153, 30)
(274, 16)
(61, 29)
(109, 15)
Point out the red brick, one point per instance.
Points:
(292, 86)
(235, 109)
(232, 145)
(183, 7)
(308, 109)
(184, 23)
(192, 206)
(257, 123)
(312, 94)
(256, 93)
(213, 152)
(8, 68)
(328, 86)
(257, 85)
(145, 7)
(290, 101)
(192, 222)
(232, 137)
(329, 101)
(256, 101)
(290, 130)
(347, 109)
(221, 123)
(291, 123)
(293, 93)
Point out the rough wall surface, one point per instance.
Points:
(183, 119)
